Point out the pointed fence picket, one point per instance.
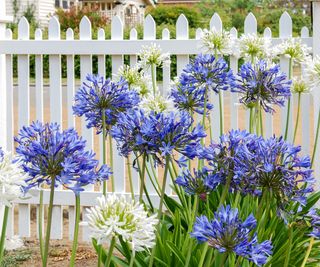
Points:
(182, 47)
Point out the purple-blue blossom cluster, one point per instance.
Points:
(98, 95)
(157, 135)
(255, 164)
(203, 74)
(201, 183)
(260, 84)
(190, 98)
(205, 71)
(228, 233)
(47, 152)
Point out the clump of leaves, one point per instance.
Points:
(14, 258)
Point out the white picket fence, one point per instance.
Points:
(182, 47)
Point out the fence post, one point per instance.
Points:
(3, 105)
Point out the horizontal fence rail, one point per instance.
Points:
(52, 100)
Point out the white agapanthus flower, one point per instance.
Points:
(136, 78)
(157, 103)
(152, 55)
(312, 72)
(217, 41)
(12, 179)
(115, 217)
(252, 47)
(299, 85)
(293, 48)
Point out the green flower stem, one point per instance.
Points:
(221, 113)
(194, 214)
(49, 221)
(257, 119)
(201, 161)
(203, 255)
(225, 190)
(261, 122)
(290, 237)
(130, 176)
(99, 255)
(3, 231)
(142, 177)
(144, 187)
(297, 118)
(154, 78)
(112, 245)
(164, 181)
(308, 252)
(111, 162)
(224, 259)
(316, 140)
(132, 258)
(40, 214)
(76, 231)
(251, 121)
(104, 160)
(289, 103)
(238, 261)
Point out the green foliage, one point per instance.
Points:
(16, 258)
(169, 14)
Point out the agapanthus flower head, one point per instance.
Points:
(136, 79)
(312, 72)
(260, 84)
(227, 157)
(190, 98)
(157, 135)
(299, 86)
(98, 95)
(253, 47)
(156, 103)
(294, 49)
(12, 178)
(228, 233)
(314, 214)
(201, 183)
(47, 152)
(114, 217)
(153, 55)
(215, 41)
(205, 71)
(278, 168)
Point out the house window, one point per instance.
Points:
(71, 3)
(65, 4)
(103, 6)
(57, 3)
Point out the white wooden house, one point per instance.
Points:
(131, 12)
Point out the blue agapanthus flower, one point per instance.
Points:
(98, 94)
(207, 72)
(227, 157)
(157, 134)
(228, 233)
(275, 165)
(201, 183)
(190, 99)
(255, 164)
(47, 153)
(260, 84)
(315, 223)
